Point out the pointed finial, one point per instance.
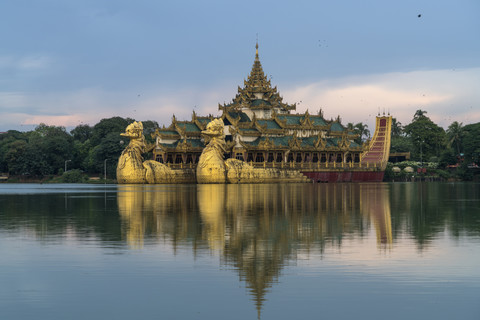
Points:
(256, 48)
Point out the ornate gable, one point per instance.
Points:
(257, 92)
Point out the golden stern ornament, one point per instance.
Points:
(131, 167)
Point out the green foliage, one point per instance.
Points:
(448, 157)
(454, 136)
(109, 149)
(428, 139)
(401, 144)
(106, 126)
(149, 128)
(471, 143)
(74, 176)
(81, 133)
(361, 130)
(397, 129)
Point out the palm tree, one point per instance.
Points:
(454, 135)
(363, 130)
(397, 129)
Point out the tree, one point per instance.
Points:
(81, 133)
(108, 151)
(427, 138)
(471, 143)
(6, 141)
(106, 126)
(454, 136)
(397, 129)
(149, 127)
(359, 129)
(53, 145)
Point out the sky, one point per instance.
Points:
(66, 63)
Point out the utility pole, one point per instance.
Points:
(66, 165)
(105, 170)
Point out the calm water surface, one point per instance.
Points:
(323, 251)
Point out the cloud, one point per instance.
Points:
(24, 111)
(446, 95)
(25, 63)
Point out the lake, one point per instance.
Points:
(276, 251)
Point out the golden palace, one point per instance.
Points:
(257, 139)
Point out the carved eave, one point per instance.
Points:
(200, 125)
(244, 145)
(320, 143)
(249, 133)
(267, 144)
(183, 146)
(280, 122)
(344, 143)
(259, 127)
(233, 121)
(232, 130)
(164, 148)
(180, 130)
(229, 145)
(166, 133)
(333, 133)
(366, 145)
(306, 122)
(295, 143)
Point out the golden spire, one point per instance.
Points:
(256, 52)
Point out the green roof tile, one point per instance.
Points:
(291, 119)
(337, 127)
(189, 127)
(168, 132)
(318, 121)
(271, 124)
(259, 102)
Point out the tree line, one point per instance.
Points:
(458, 145)
(48, 150)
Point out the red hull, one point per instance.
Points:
(346, 176)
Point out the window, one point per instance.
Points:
(307, 157)
(290, 157)
(178, 158)
(279, 157)
(323, 158)
(299, 157)
(270, 157)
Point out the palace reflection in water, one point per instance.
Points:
(259, 231)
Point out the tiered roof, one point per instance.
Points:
(257, 93)
(271, 126)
